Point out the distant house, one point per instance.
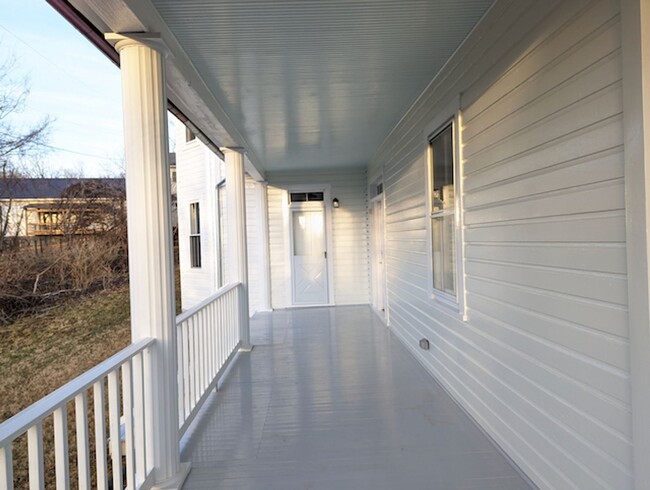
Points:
(47, 207)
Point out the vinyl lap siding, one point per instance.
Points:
(349, 234)
(543, 361)
(280, 271)
(196, 173)
(253, 237)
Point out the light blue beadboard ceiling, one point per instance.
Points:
(318, 83)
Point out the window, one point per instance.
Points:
(306, 196)
(443, 211)
(195, 235)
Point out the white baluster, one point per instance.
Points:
(83, 451)
(180, 334)
(61, 455)
(148, 409)
(186, 369)
(127, 401)
(138, 412)
(35, 447)
(6, 468)
(100, 435)
(114, 429)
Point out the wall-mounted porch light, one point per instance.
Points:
(335, 202)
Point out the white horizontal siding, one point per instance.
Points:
(543, 361)
(254, 237)
(15, 217)
(349, 234)
(197, 173)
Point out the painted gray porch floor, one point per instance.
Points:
(329, 399)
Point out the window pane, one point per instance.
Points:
(195, 251)
(314, 196)
(298, 196)
(444, 253)
(195, 223)
(442, 170)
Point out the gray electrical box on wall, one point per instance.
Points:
(424, 344)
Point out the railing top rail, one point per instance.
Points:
(187, 314)
(19, 423)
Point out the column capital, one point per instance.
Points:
(151, 40)
(233, 149)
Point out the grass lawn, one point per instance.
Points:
(42, 352)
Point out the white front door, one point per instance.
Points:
(309, 255)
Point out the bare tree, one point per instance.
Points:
(92, 206)
(17, 141)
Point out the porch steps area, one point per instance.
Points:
(329, 399)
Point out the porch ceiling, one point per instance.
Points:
(298, 83)
(314, 84)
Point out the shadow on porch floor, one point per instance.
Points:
(329, 399)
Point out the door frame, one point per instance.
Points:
(286, 214)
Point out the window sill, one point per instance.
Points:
(448, 304)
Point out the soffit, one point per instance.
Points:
(317, 83)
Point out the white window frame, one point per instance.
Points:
(451, 114)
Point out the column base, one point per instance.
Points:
(246, 348)
(176, 482)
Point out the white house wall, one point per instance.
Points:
(199, 171)
(17, 217)
(197, 174)
(349, 234)
(542, 362)
(256, 238)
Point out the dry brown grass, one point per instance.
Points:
(44, 351)
(41, 352)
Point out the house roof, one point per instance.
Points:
(49, 188)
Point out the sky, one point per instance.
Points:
(72, 82)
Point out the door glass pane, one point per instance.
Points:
(308, 233)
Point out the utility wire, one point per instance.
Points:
(58, 67)
(90, 155)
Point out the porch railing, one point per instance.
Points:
(119, 390)
(207, 340)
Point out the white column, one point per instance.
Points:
(238, 258)
(265, 262)
(151, 261)
(635, 21)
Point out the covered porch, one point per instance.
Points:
(495, 160)
(329, 398)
